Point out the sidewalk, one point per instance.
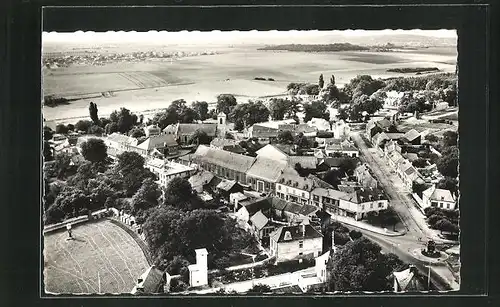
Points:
(368, 227)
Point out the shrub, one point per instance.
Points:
(354, 234)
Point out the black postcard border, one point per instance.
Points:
(21, 120)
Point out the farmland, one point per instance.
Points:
(154, 83)
(99, 248)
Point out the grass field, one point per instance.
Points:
(155, 83)
(99, 248)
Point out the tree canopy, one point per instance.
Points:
(285, 137)
(447, 164)
(316, 109)
(249, 113)
(359, 266)
(124, 119)
(201, 109)
(283, 108)
(177, 112)
(179, 194)
(225, 103)
(94, 150)
(93, 113)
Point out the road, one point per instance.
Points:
(403, 204)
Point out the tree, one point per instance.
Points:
(447, 164)
(93, 113)
(444, 225)
(431, 138)
(450, 138)
(94, 150)
(111, 128)
(285, 137)
(61, 129)
(418, 188)
(420, 163)
(62, 166)
(225, 103)
(448, 183)
(347, 166)
(343, 114)
(316, 109)
(124, 119)
(363, 85)
(283, 108)
(178, 262)
(250, 113)
(359, 266)
(83, 125)
(137, 133)
(201, 109)
(179, 194)
(260, 288)
(302, 141)
(146, 197)
(333, 177)
(199, 137)
(95, 130)
(332, 80)
(389, 217)
(321, 82)
(130, 161)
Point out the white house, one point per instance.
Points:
(439, 198)
(320, 123)
(344, 148)
(292, 187)
(152, 130)
(168, 170)
(361, 201)
(296, 242)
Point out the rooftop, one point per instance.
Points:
(267, 169)
(294, 233)
(259, 220)
(233, 161)
(434, 193)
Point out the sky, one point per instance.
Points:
(214, 37)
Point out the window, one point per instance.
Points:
(301, 253)
(301, 244)
(434, 204)
(371, 205)
(380, 205)
(362, 207)
(303, 195)
(447, 206)
(316, 198)
(279, 187)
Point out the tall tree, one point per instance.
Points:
(201, 109)
(250, 113)
(450, 138)
(47, 151)
(321, 82)
(332, 80)
(179, 194)
(124, 119)
(146, 197)
(225, 103)
(283, 108)
(94, 150)
(93, 113)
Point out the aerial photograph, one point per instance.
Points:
(250, 162)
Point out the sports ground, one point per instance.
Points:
(100, 255)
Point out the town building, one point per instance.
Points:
(438, 198)
(412, 137)
(295, 242)
(184, 132)
(200, 180)
(320, 124)
(264, 173)
(168, 170)
(262, 133)
(223, 163)
(152, 130)
(364, 176)
(376, 126)
(227, 187)
(344, 148)
(292, 187)
(261, 225)
(341, 129)
(361, 201)
(164, 144)
(327, 199)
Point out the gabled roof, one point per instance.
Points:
(267, 169)
(411, 135)
(226, 185)
(119, 138)
(291, 178)
(272, 152)
(253, 206)
(235, 148)
(155, 162)
(309, 162)
(189, 129)
(151, 281)
(295, 233)
(264, 132)
(259, 220)
(330, 193)
(221, 142)
(233, 161)
(408, 280)
(157, 141)
(384, 123)
(307, 210)
(363, 195)
(434, 193)
(200, 179)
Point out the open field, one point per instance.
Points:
(155, 83)
(98, 248)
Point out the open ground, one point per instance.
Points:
(100, 250)
(153, 84)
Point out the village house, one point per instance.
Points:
(412, 137)
(327, 199)
(326, 138)
(438, 198)
(199, 180)
(306, 130)
(152, 130)
(220, 143)
(293, 213)
(364, 176)
(264, 173)
(361, 201)
(292, 187)
(223, 163)
(163, 144)
(379, 139)
(168, 170)
(320, 124)
(408, 173)
(295, 242)
(247, 207)
(376, 126)
(121, 143)
(341, 129)
(345, 148)
(262, 133)
(227, 187)
(261, 225)
(152, 281)
(184, 132)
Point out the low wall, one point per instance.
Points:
(75, 221)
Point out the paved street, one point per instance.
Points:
(401, 201)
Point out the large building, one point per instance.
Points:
(168, 170)
(361, 201)
(184, 132)
(439, 198)
(223, 163)
(264, 173)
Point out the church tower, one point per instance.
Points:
(222, 124)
